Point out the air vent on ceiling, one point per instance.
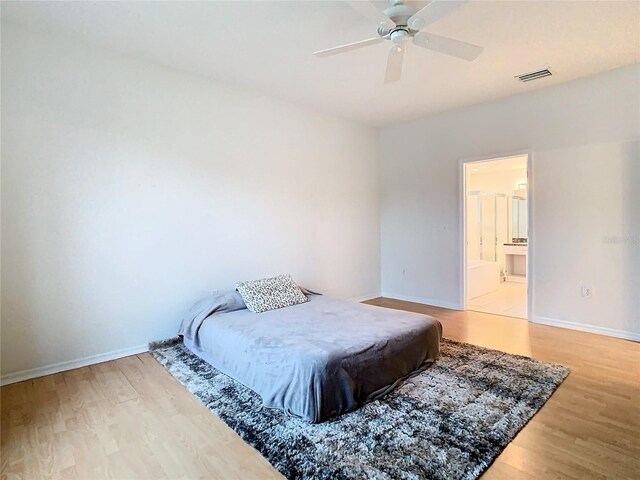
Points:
(527, 77)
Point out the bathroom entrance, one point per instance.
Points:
(496, 236)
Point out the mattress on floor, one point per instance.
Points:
(321, 358)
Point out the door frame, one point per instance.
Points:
(462, 194)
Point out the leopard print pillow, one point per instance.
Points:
(271, 293)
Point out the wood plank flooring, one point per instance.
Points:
(129, 419)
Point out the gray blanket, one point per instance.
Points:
(315, 360)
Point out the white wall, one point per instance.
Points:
(584, 136)
(502, 181)
(130, 190)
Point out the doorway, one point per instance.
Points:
(496, 235)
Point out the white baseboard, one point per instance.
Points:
(70, 364)
(583, 327)
(423, 300)
(363, 298)
(125, 352)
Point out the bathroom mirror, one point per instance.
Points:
(518, 217)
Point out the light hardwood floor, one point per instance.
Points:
(129, 419)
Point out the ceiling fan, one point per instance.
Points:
(400, 22)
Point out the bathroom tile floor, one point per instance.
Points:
(509, 300)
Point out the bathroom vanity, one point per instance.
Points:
(515, 260)
(515, 253)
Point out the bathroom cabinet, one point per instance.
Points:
(515, 260)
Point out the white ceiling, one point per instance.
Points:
(498, 165)
(268, 46)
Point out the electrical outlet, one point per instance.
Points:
(587, 291)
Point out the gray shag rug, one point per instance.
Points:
(448, 422)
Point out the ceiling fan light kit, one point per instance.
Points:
(398, 23)
(398, 36)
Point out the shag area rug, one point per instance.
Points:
(448, 422)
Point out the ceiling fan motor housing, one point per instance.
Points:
(400, 14)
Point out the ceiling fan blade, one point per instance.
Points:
(348, 47)
(433, 12)
(448, 46)
(368, 10)
(394, 64)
